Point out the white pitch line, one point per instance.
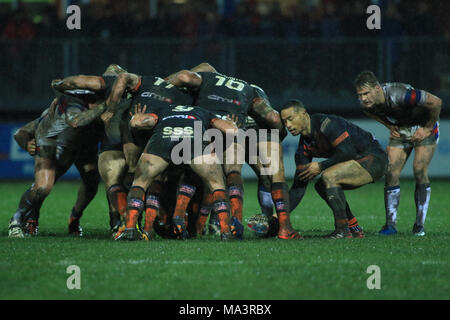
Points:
(197, 262)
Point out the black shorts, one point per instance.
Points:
(375, 161)
(64, 156)
(163, 147)
(112, 137)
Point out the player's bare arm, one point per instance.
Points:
(186, 78)
(310, 171)
(261, 108)
(384, 121)
(94, 83)
(225, 126)
(433, 104)
(25, 137)
(81, 119)
(141, 120)
(124, 82)
(202, 67)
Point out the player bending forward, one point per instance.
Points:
(353, 158)
(412, 117)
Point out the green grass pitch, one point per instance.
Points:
(206, 268)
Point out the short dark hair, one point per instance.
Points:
(297, 104)
(366, 78)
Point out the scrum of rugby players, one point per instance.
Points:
(141, 121)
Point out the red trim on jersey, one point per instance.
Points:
(341, 138)
(412, 99)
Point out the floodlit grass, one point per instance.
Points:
(206, 268)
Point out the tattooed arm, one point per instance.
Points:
(94, 83)
(76, 119)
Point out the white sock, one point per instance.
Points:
(422, 199)
(391, 202)
(265, 202)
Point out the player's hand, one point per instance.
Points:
(142, 120)
(394, 132)
(421, 134)
(138, 109)
(56, 83)
(310, 172)
(234, 118)
(106, 117)
(31, 147)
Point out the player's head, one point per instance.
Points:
(295, 118)
(368, 89)
(114, 70)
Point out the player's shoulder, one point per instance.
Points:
(327, 122)
(395, 88)
(403, 93)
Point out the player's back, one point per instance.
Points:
(224, 95)
(330, 129)
(180, 115)
(54, 128)
(157, 94)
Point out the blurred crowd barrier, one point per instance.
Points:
(318, 71)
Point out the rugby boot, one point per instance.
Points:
(179, 228)
(387, 230)
(15, 229)
(357, 231)
(289, 233)
(130, 234)
(74, 227)
(31, 227)
(236, 228)
(418, 231)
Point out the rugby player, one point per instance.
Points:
(412, 116)
(228, 97)
(169, 125)
(111, 161)
(59, 143)
(353, 158)
(147, 90)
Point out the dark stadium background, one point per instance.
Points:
(306, 49)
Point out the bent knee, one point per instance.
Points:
(329, 178)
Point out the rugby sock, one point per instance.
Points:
(221, 208)
(76, 214)
(280, 197)
(205, 210)
(265, 200)
(352, 222)
(25, 209)
(235, 190)
(117, 200)
(391, 202)
(422, 199)
(185, 193)
(337, 203)
(135, 205)
(152, 205)
(321, 190)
